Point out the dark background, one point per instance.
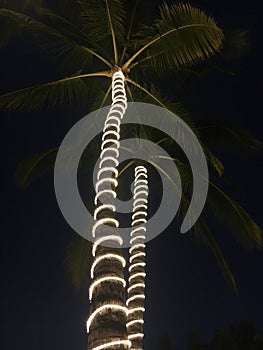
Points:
(185, 288)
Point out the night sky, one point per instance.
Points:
(186, 291)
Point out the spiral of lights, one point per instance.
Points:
(136, 296)
(104, 215)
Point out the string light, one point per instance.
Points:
(139, 193)
(136, 256)
(136, 265)
(105, 279)
(134, 297)
(109, 158)
(104, 239)
(137, 237)
(142, 285)
(103, 308)
(109, 180)
(111, 169)
(113, 193)
(135, 309)
(138, 229)
(110, 132)
(138, 200)
(137, 253)
(106, 256)
(135, 335)
(136, 246)
(113, 343)
(134, 322)
(102, 222)
(105, 194)
(102, 207)
(139, 213)
(139, 221)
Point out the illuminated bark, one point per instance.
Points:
(136, 296)
(108, 312)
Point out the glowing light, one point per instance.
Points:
(138, 180)
(109, 124)
(113, 193)
(137, 237)
(102, 222)
(112, 159)
(135, 309)
(134, 297)
(140, 186)
(113, 343)
(139, 206)
(138, 229)
(136, 265)
(110, 132)
(137, 256)
(139, 193)
(103, 308)
(136, 222)
(136, 246)
(134, 322)
(109, 180)
(141, 285)
(111, 169)
(136, 335)
(139, 213)
(138, 274)
(138, 200)
(104, 196)
(102, 207)
(105, 279)
(106, 238)
(137, 234)
(106, 256)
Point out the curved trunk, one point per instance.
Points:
(135, 301)
(108, 313)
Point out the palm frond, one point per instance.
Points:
(183, 35)
(64, 92)
(203, 233)
(223, 133)
(214, 161)
(150, 95)
(102, 20)
(231, 213)
(34, 167)
(78, 261)
(52, 42)
(227, 210)
(235, 44)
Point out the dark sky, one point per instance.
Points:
(185, 288)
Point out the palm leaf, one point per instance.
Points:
(227, 210)
(103, 20)
(231, 213)
(52, 42)
(216, 132)
(235, 44)
(214, 161)
(64, 91)
(201, 230)
(203, 233)
(34, 167)
(78, 261)
(183, 35)
(152, 95)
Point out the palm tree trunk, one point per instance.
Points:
(135, 301)
(108, 313)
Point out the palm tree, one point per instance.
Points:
(103, 46)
